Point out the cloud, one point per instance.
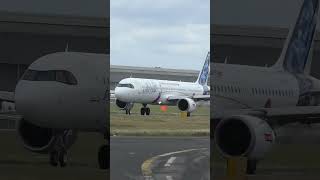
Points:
(169, 33)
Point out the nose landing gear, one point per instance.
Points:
(145, 110)
(58, 155)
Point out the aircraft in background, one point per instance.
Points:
(249, 102)
(7, 102)
(59, 95)
(163, 92)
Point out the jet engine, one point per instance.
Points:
(124, 105)
(244, 135)
(40, 139)
(187, 104)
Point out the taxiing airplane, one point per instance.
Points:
(163, 92)
(250, 103)
(59, 95)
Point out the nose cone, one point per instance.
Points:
(25, 99)
(33, 103)
(122, 94)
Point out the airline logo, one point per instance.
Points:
(301, 40)
(268, 137)
(205, 72)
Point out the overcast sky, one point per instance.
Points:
(166, 33)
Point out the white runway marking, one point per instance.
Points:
(169, 177)
(170, 161)
(178, 152)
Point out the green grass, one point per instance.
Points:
(159, 123)
(17, 163)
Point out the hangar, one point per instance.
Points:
(252, 45)
(26, 37)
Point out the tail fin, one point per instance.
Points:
(296, 55)
(204, 73)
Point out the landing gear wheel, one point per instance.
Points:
(188, 114)
(147, 111)
(251, 166)
(142, 111)
(103, 157)
(54, 158)
(62, 158)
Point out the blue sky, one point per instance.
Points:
(166, 33)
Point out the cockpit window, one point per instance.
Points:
(62, 76)
(126, 85)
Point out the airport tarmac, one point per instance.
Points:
(159, 158)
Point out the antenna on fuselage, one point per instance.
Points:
(67, 48)
(226, 60)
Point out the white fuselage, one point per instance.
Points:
(151, 91)
(245, 87)
(46, 102)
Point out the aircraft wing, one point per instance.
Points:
(282, 116)
(195, 98)
(6, 96)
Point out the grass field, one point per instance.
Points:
(17, 163)
(160, 123)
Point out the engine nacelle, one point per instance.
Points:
(187, 104)
(124, 105)
(40, 139)
(244, 135)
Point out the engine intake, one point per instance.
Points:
(35, 138)
(41, 139)
(124, 105)
(244, 135)
(187, 104)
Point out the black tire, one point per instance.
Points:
(142, 111)
(54, 158)
(147, 111)
(62, 159)
(103, 157)
(188, 114)
(251, 166)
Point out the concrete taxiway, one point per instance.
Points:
(160, 158)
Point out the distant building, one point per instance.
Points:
(26, 37)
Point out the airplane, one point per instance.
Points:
(59, 95)
(163, 92)
(249, 103)
(6, 102)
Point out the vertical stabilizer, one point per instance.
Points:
(296, 55)
(204, 73)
